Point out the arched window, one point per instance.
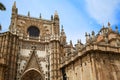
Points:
(33, 31)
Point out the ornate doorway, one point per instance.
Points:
(32, 75)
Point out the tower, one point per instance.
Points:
(42, 34)
(14, 18)
(56, 23)
(55, 49)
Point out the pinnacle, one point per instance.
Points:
(14, 5)
(56, 13)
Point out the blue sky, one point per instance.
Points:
(77, 16)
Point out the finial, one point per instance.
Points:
(40, 16)
(71, 43)
(14, 9)
(51, 17)
(78, 41)
(62, 28)
(0, 27)
(28, 14)
(109, 27)
(62, 31)
(108, 24)
(56, 13)
(89, 35)
(56, 17)
(93, 36)
(103, 26)
(93, 33)
(86, 34)
(116, 29)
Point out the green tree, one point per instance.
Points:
(2, 7)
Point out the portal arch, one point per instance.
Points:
(32, 74)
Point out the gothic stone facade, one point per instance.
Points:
(36, 49)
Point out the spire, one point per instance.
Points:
(71, 43)
(56, 13)
(86, 34)
(28, 14)
(63, 36)
(89, 35)
(78, 41)
(56, 17)
(14, 9)
(62, 31)
(0, 27)
(93, 33)
(62, 28)
(14, 5)
(116, 29)
(108, 24)
(103, 26)
(51, 17)
(40, 16)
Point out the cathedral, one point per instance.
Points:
(36, 49)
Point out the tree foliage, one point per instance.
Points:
(2, 7)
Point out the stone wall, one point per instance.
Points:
(107, 66)
(94, 65)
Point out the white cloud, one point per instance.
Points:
(102, 10)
